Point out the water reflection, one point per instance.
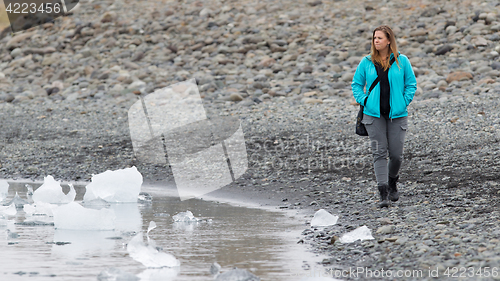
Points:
(256, 240)
(82, 243)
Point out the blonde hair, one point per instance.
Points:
(393, 47)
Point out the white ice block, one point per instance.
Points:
(51, 192)
(323, 218)
(38, 209)
(148, 255)
(360, 233)
(75, 216)
(186, 216)
(119, 186)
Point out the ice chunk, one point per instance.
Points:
(186, 216)
(51, 192)
(39, 209)
(75, 216)
(115, 186)
(236, 274)
(215, 268)
(4, 189)
(18, 201)
(159, 274)
(152, 225)
(323, 218)
(113, 274)
(8, 210)
(360, 233)
(145, 198)
(149, 255)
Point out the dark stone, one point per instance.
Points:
(495, 65)
(315, 3)
(443, 50)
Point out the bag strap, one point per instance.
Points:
(378, 78)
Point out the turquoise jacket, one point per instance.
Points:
(401, 79)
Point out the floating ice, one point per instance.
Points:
(113, 274)
(149, 255)
(360, 233)
(115, 186)
(159, 274)
(39, 209)
(4, 189)
(75, 216)
(8, 210)
(51, 192)
(186, 216)
(236, 274)
(18, 201)
(144, 198)
(323, 218)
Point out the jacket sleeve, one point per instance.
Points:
(359, 82)
(410, 82)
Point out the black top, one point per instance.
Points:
(385, 91)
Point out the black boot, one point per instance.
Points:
(393, 190)
(384, 195)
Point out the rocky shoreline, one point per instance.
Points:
(284, 68)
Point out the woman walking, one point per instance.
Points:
(385, 114)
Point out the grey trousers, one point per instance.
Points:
(386, 135)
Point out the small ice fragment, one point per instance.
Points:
(360, 233)
(4, 189)
(113, 274)
(75, 216)
(236, 274)
(144, 197)
(51, 192)
(323, 218)
(149, 255)
(29, 193)
(18, 201)
(186, 216)
(122, 186)
(152, 225)
(8, 210)
(161, 215)
(215, 268)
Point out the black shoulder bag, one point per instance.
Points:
(360, 127)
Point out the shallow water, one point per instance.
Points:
(261, 241)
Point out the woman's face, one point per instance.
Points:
(380, 40)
